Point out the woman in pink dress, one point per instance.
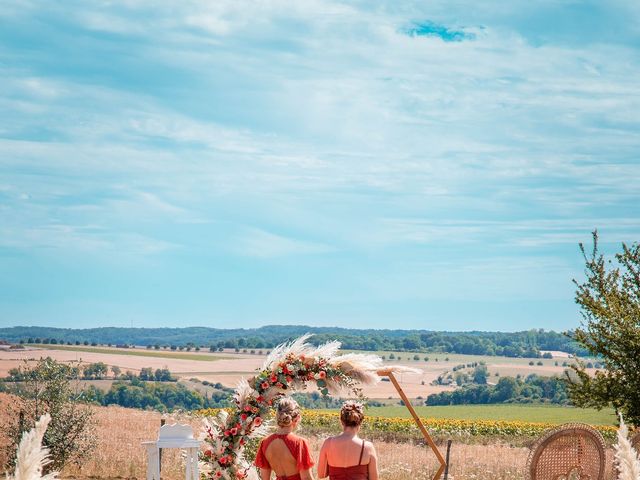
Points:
(283, 452)
(347, 456)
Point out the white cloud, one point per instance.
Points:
(259, 243)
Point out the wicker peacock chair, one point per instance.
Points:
(635, 441)
(573, 451)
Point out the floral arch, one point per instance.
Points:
(289, 367)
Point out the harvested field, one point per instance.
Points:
(228, 367)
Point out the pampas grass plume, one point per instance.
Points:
(32, 457)
(626, 457)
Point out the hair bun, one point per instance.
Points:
(288, 410)
(352, 413)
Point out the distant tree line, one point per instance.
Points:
(528, 343)
(100, 371)
(157, 396)
(532, 389)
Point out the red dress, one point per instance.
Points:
(297, 446)
(354, 472)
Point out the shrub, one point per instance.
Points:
(46, 388)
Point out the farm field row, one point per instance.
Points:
(138, 352)
(508, 412)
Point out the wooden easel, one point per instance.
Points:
(389, 373)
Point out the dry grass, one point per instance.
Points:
(120, 455)
(119, 452)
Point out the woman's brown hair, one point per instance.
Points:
(352, 414)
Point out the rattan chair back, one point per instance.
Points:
(573, 451)
(635, 441)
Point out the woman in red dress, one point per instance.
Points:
(347, 456)
(283, 452)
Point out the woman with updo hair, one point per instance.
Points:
(347, 456)
(283, 452)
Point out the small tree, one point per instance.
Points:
(480, 374)
(46, 388)
(610, 302)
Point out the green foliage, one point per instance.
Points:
(157, 396)
(610, 302)
(46, 388)
(480, 374)
(315, 400)
(95, 371)
(508, 390)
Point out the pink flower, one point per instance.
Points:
(322, 374)
(257, 421)
(227, 433)
(218, 474)
(208, 453)
(264, 385)
(274, 378)
(243, 417)
(247, 408)
(223, 460)
(234, 431)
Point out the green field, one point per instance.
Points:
(202, 357)
(525, 413)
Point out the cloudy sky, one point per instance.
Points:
(383, 164)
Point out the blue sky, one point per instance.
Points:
(369, 164)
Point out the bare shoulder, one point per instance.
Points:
(371, 450)
(327, 442)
